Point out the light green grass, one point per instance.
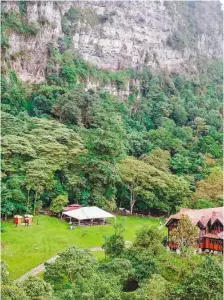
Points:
(100, 255)
(24, 248)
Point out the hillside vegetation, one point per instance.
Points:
(155, 151)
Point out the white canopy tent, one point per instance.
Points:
(88, 213)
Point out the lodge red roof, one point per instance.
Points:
(200, 215)
(72, 207)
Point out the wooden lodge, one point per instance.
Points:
(210, 223)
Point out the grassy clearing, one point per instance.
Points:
(24, 248)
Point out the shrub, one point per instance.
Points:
(23, 7)
(36, 288)
(18, 23)
(114, 244)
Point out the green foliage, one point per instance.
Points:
(76, 274)
(118, 267)
(142, 260)
(62, 138)
(22, 7)
(19, 23)
(149, 238)
(58, 204)
(4, 42)
(207, 144)
(36, 288)
(98, 286)
(114, 244)
(212, 186)
(181, 164)
(75, 106)
(158, 158)
(148, 184)
(12, 292)
(70, 264)
(32, 158)
(138, 143)
(204, 282)
(14, 94)
(4, 273)
(155, 288)
(186, 233)
(9, 290)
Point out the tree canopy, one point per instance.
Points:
(147, 152)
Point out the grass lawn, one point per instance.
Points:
(24, 248)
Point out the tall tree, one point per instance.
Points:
(69, 265)
(158, 189)
(211, 187)
(58, 203)
(186, 233)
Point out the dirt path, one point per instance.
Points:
(37, 270)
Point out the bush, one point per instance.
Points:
(114, 244)
(23, 7)
(149, 238)
(36, 288)
(18, 23)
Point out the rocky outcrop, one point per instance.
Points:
(118, 35)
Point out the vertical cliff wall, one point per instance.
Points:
(113, 35)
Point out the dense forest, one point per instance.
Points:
(156, 150)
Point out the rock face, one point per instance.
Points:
(118, 35)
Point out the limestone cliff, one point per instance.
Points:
(116, 34)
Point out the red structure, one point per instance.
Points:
(210, 222)
(72, 207)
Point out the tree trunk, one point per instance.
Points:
(132, 208)
(5, 216)
(28, 200)
(132, 200)
(35, 200)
